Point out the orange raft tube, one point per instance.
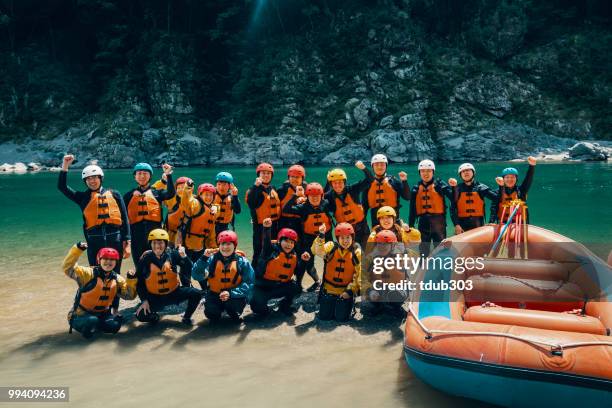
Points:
(524, 332)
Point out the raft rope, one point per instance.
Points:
(555, 348)
(560, 284)
(517, 221)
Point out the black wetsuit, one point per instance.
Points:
(431, 226)
(521, 191)
(484, 191)
(101, 236)
(265, 289)
(180, 294)
(362, 231)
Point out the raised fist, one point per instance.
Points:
(68, 160)
(167, 168)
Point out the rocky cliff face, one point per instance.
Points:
(358, 79)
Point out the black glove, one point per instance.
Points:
(81, 245)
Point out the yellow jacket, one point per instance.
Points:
(126, 288)
(192, 206)
(321, 248)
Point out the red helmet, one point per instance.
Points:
(386, 236)
(314, 189)
(344, 228)
(182, 180)
(296, 171)
(264, 167)
(107, 253)
(206, 187)
(287, 233)
(227, 236)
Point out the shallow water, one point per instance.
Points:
(296, 362)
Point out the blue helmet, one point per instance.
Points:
(225, 176)
(509, 170)
(143, 167)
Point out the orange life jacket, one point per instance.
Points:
(505, 199)
(224, 276)
(429, 201)
(285, 200)
(339, 269)
(281, 267)
(225, 213)
(269, 208)
(144, 207)
(382, 193)
(102, 209)
(470, 204)
(348, 210)
(162, 281)
(314, 220)
(199, 227)
(174, 218)
(97, 295)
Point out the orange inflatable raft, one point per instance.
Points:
(524, 330)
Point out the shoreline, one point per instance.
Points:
(20, 168)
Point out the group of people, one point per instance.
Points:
(194, 239)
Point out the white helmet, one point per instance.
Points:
(92, 170)
(379, 158)
(466, 166)
(427, 165)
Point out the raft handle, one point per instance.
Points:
(557, 351)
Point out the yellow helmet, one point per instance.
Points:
(159, 234)
(336, 174)
(386, 211)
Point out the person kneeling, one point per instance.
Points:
(159, 283)
(342, 272)
(278, 265)
(229, 277)
(98, 287)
